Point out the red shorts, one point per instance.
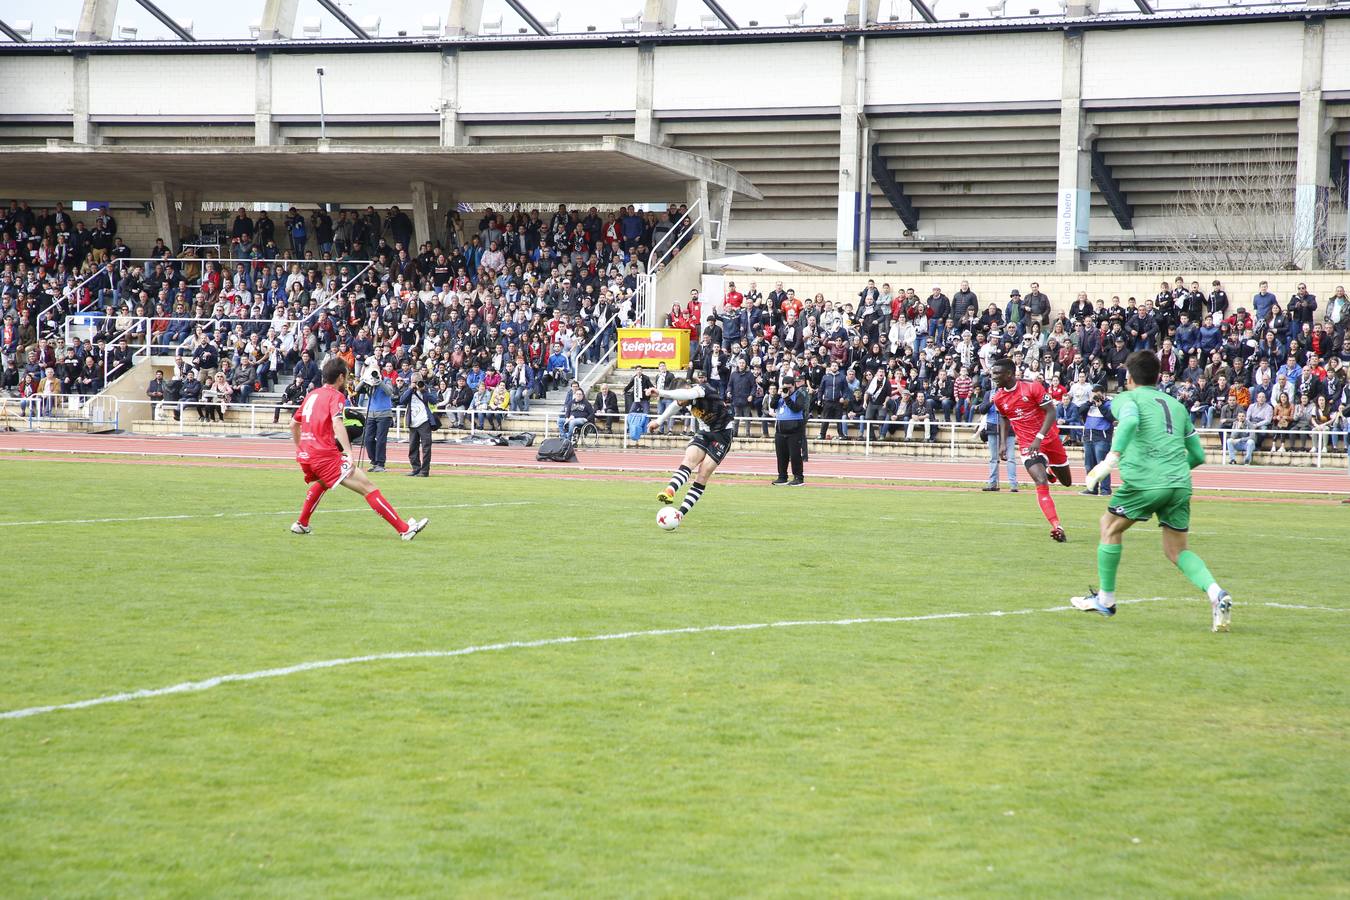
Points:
(330, 471)
(1052, 448)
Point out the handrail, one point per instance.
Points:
(599, 333)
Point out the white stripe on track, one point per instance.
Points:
(238, 515)
(206, 684)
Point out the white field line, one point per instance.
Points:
(242, 515)
(216, 681)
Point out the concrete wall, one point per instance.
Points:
(36, 85)
(497, 81)
(1061, 289)
(1210, 60)
(762, 76)
(130, 86)
(354, 84)
(969, 69)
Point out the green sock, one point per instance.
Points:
(1194, 568)
(1108, 560)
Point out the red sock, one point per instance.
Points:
(1047, 505)
(316, 492)
(387, 512)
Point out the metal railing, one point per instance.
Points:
(644, 302)
(47, 412)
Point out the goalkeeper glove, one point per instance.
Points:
(1102, 470)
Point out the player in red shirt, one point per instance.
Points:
(1028, 409)
(324, 452)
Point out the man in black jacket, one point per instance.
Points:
(832, 391)
(964, 301)
(291, 396)
(789, 439)
(607, 407)
(741, 390)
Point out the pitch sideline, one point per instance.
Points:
(216, 681)
(244, 515)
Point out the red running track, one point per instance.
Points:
(1214, 477)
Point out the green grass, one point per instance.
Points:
(1029, 755)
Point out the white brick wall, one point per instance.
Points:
(1200, 61)
(580, 80)
(355, 83)
(158, 85)
(35, 85)
(964, 68)
(1336, 56)
(732, 76)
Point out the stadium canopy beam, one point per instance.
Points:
(465, 17)
(853, 14)
(1115, 197)
(926, 12)
(894, 192)
(12, 34)
(658, 15)
(346, 20)
(529, 17)
(166, 20)
(1145, 7)
(96, 20)
(722, 15)
(278, 20)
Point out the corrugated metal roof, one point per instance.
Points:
(1169, 17)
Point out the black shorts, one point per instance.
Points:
(714, 443)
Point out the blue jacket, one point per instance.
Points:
(834, 388)
(381, 399)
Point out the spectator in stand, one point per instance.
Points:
(1098, 424)
(291, 396)
(1241, 439)
(607, 407)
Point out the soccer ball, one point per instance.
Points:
(668, 518)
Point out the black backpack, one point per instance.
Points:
(557, 449)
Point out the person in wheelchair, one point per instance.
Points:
(580, 412)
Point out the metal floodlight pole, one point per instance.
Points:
(323, 131)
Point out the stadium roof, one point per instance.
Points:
(375, 23)
(607, 170)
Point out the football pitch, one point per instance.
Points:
(917, 714)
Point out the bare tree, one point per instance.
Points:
(1242, 215)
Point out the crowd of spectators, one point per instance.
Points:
(902, 362)
(494, 314)
(504, 300)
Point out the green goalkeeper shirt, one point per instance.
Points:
(1156, 441)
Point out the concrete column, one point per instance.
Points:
(264, 132)
(85, 132)
(658, 15)
(166, 214)
(452, 130)
(645, 127)
(96, 20)
(421, 204)
(1073, 206)
(465, 17)
(278, 20)
(719, 205)
(1312, 174)
(853, 74)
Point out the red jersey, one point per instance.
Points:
(1021, 406)
(734, 299)
(315, 416)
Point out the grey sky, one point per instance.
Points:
(215, 19)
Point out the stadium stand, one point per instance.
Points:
(498, 313)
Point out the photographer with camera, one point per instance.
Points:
(1097, 425)
(420, 399)
(379, 393)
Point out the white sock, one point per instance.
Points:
(1106, 598)
(1214, 591)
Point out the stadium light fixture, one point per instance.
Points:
(64, 31)
(493, 27)
(552, 25)
(631, 23)
(255, 29)
(127, 32)
(707, 23)
(431, 25)
(311, 27)
(798, 17)
(20, 32)
(371, 25)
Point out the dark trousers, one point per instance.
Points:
(419, 448)
(788, 442)
(377, 438)
(831, 413)
(1096, 445)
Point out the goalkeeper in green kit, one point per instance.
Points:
(1156, 447)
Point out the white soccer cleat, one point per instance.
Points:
(1222, 611)
(297, 528)
(414, 526)
(1093, 603)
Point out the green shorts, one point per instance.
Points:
(1171, 505)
